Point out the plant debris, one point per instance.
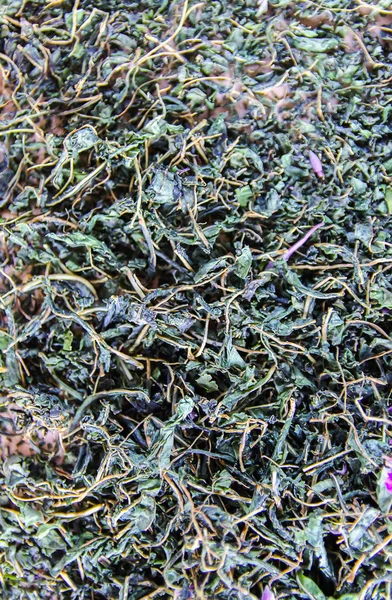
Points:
(185, 412)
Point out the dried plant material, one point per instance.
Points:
(267, 594)
(316, 164)
(31, 440)
(195, 300)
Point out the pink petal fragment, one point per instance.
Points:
(316, 164)
(388, 482)
(267, 594)
(301, 242)
(298, 244)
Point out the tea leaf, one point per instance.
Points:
(311, 590)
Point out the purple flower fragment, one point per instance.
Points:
(342, 471)
(298, 244)
(316, 164)
(388, 481)
(267, 594)
(301, 242)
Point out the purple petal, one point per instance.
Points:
(342, 471)
(267, 594)
(388, 482)
(298, 244)
(316, 164)
(301, 242)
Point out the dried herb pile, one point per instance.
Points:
(195, 299)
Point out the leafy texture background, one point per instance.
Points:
(191, 409)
